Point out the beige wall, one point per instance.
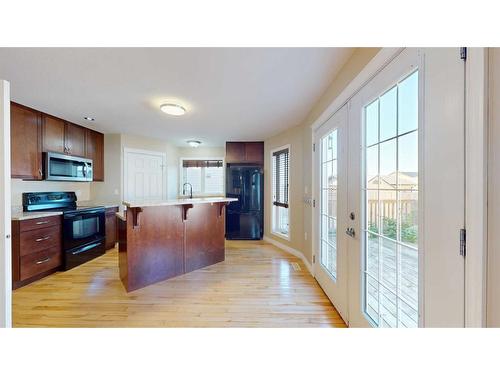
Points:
(198, 152)
(300, 139)
(18, 187)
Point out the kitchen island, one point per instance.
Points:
(159, 240)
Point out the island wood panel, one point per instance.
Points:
(204, 240)
(155, 247)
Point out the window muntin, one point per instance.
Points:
(391, 206)
(329, 176)
(280, 191)
(205, 175)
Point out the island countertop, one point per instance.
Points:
(176, 202)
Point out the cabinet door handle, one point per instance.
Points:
(42, 239)
(40, 172)
(41, 222)
(43, 261)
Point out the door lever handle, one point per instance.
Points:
(350, 232)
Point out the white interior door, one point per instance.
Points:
(331, 216)
(144, 175)
(406, 190)
(5, 209)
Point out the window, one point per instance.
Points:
(205, 176)
(391, 206)
(329, 202)
(280, 210)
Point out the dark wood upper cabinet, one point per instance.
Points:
(34, 132)
(245, 152)
(74, 139)
(53, 134)
(94, 149)
(254, 152)
(63, 137)
(26, 149)
(235, 152)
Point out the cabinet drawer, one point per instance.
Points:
(40, 239)
(36, 263)
(42, 222)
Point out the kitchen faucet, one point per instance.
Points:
(184, 190)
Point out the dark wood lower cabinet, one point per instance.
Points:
(36, 249)
(111, 227)
(160, 242)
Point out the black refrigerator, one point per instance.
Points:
(244, 218)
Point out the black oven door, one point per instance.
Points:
(83, 227)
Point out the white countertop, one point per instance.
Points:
(176, 202)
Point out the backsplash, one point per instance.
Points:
(82, 189)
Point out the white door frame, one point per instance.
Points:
(476, 102)
(127, 150)
(476, 188)
(5, 209)
(338, 288)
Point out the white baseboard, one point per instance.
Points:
(290, 250)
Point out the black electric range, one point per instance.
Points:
(83, 230)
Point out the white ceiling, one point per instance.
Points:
(230, 93)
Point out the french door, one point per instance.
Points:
(399, 226)
(331, 189)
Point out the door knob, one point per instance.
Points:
(350, 232)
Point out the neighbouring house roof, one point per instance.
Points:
(408, 180)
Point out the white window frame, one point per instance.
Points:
(273, 208)
(181, 176)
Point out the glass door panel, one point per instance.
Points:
(391, 206)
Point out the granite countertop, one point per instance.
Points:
(20, 215)
(17, 212)
(176, 202)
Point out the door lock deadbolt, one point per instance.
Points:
(352, 216)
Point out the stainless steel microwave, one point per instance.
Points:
(62, 167)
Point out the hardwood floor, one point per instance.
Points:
(258, 285)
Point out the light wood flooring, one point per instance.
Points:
(258, 285)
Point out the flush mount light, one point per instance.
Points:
(173, 109)
(89, 118)
(193, 143)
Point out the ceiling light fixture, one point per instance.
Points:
(194, 143)
(173, 109)
(89, 118)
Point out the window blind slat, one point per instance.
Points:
(280, 177)
(202, 163)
